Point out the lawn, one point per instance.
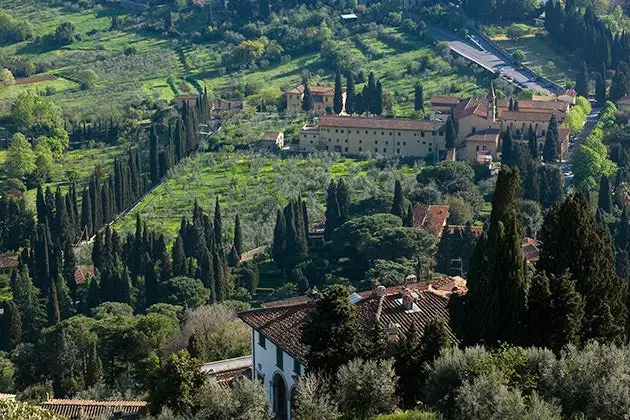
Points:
(255, 186)
(543, 55)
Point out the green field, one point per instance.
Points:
(255, 186)
(543, 55)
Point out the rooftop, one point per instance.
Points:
(281, 322)
(489, 135)
(431, 218)
(379, 123)
(83, 273)
(8, 262)
(89, 409)
(319, 90)
(529, 116)
(625, 100)
(271, 135)
(544, 105)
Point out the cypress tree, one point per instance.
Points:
(350, 95)
(408, 219)
(551, 150)
(511, 104)
(162, 256)
(150, 281)
(206, 274)
(581, 82)
(154, 164)
(572, 240)
(86, 213)
(378, 99)
(600, 88)
(220, 278)
(279, 240)
(621, 238)
(532, 143)
(338, 96)
(516, 106)
(178, 257)
(64, 301)
(604, 200)
(369, 93)
(238, 236)
(40, 205)
(94, 293)
(539, 311)
(307, 98)
(408, 367)
(10, 327)
(94, 366)
(54, 313)
(620, 85)
(332, 211)
(41, 258)
(98, 252)
(418, 98)
(69, 269)
(343, 202)
(28, 302)
(450, 135)
(398, 204)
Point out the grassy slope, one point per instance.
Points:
(254, 186)
(540, 50)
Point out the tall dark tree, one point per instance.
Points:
(338, 96)
(69, 269)
(378, 99)
(516, 106)
(351, 101)
(551, 150)
(572, 240)
(238, 236)
(604, 200)
(398, 205)
(28, 302)
(532, 143)
(154, 163)
(10, 327)
(408, 218)
(450, 135)
(279, 240)
(600, 88)
(332, 331)
(332, 210)
(307, 98)
(418, 98)
(623, 235)
(620, 85)
(178, 257)
(54, 313)
(581, 82)
(507, 149)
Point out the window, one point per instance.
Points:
(390, 134)
(382, 133)
(360, 141)
(360, 149)
(430, 149)
(341, 131)
(543, 132)
(336, 130)
(397, 150)
(384, 150)
(415, 134)
(474, 130)
(434, 133)
(262, 342)
(375, 141)
(357, 131)
(399, 133)
(365, 131)
(311, 141)
(404, 143)
(329, 140)
(260, 377)
(422, 134)
(376, 149)
(375, 132)
(279, 357)
(346, 149)
(441, 133)
(297, 368)
(386, 142)
(424, 142)
(477, 147)
(484, 148)
(346, 140)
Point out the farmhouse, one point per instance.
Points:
(271, 140)
(279, 356)
(323, 98)
(392, 137)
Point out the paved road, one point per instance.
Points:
(487, 57)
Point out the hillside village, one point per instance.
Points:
(314, 211)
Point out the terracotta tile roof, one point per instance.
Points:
(282, 323)
(447, 285)
(529, 116)
(227, 378)
(544, 105)
(471, 106)
(83, 273)
(431, 218)
(489, 135)
(8, 262)
(449, 101)
(625, 100)
(571, 92)
(378, 123)
(529, 246)
(271, 135)
(318, 90)
(187, 97)
(88, 409)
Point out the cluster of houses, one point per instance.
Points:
(479, 124)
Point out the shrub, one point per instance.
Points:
(313, 399)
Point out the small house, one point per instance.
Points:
(271, 141)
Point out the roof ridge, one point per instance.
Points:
(60, 401)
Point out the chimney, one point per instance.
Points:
(411, 278)
(407, 299)
(375, 284)
(380, 291)
(391, 331)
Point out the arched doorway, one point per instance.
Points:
(279, 397)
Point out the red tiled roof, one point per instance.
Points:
(319, 90)
(378, 123)
(282, 323)
(625, 100)
(226, 379)
(471, 106)
(8, 262)
(489, 135)
(88, 409)
(571, 92)
(445, 100)
(544, 105)
(82, 274)
(529, 116)
(271, 135)
(431, 218)
(187, 96)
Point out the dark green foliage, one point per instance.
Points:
(183, 291)
(378, 99)
(492, 311)
(54, 314)
(418, 98)
(351, 100)
(573, 241)
(532, 143)
(551, 185)
(238, 237)
(604, 200)
(408, 217)
(279, 239)
(507, 147)
(307, 98)
(600, 88)
(551, 150)
(620, 85)
(581, 82)
(450, 134)
(16, 222)
(338, 96)
(154, 164)
(86, 213)
(28, 302)
(516, 106)
(398, 204)
(458, 244)
(10, 327)
(621, 238)
(332, 332)
(178, 257)
(332, 210)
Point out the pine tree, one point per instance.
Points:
(350, 94)
(398, 205)
(10, 327)
(581, 82)
(154, 163)
(551, 152)
(279, 240)
(450, 135)
(572, 240)
(604, 201)
(332, 211)
(28, 302)
(338, 97)
(307, 98)
(532, 143)
(418, 99)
